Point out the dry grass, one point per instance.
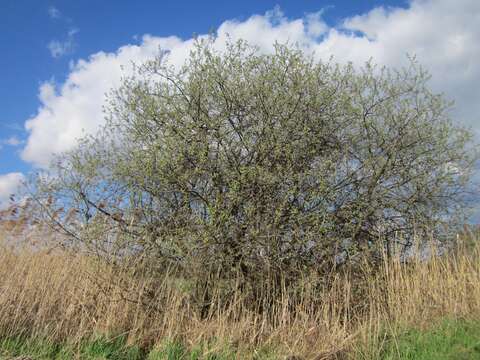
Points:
(62, 296)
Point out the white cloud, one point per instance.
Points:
(54, 13)
(11, 141)
(66, 46)
(75, 107)
(315, 25)
(9, 184)
(441, 33)
(60, 48)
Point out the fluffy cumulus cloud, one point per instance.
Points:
(9, 185)
(74, 108)
(441, 33)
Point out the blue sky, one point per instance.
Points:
(27, 27)
(52, 52)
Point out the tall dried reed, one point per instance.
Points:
(68, 296)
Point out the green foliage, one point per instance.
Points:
(452, 340)
(170, 351)
(260, 164)
(116, 349)
(104, 349)
(99, 348)
(175, 351)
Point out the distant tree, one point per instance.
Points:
(243, 161)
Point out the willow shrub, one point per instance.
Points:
(253, 164)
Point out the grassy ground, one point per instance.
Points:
(447, 340)
(117, 349)
(43, 349)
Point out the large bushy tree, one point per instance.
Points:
(249, 161)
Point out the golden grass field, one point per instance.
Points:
(63, 296)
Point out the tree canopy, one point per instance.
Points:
(253, 161)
